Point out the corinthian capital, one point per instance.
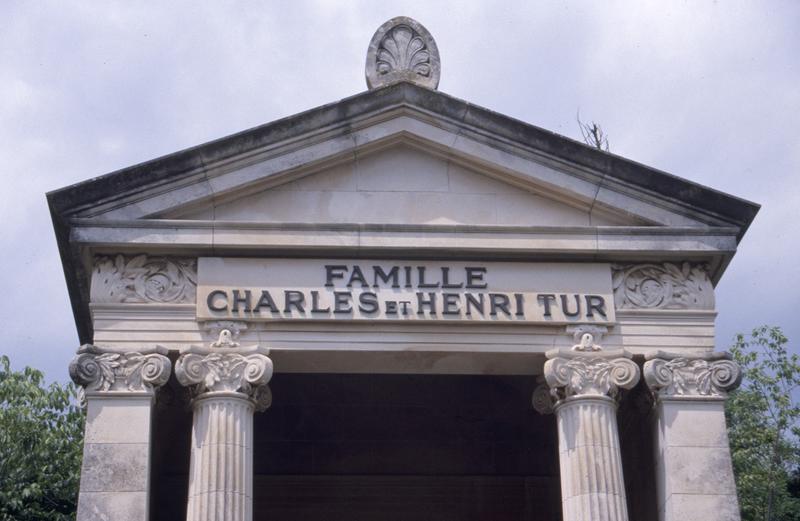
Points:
(100, 370)
(602, 373)
(677, 375)
(244, 370)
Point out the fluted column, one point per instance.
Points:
(585, 380)
(229, 384)
(694, 474)
(118, 390)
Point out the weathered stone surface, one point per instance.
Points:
(694, 424)
(402, 50)
(701, 506)
(663, 286)
(105, 415)
(694, 473)
(120, 467)
(113, 506)
(143, 279)
(699, 470)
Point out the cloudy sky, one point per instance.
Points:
(707, 90)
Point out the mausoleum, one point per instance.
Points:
(400, 306)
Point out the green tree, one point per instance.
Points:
(41, 431)
(764, 427)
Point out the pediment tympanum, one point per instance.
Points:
(403, 184)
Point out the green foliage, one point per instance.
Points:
(764, 427)
(41, 431)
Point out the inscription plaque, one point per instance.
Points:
(336, 289)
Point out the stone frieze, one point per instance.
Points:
(144, 279)
(662, 286)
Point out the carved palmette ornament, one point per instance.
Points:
(662, 286)
(98, 370)
(402, 49)
(222, 371)
(682, 376)
(142, 279)
(587, 375)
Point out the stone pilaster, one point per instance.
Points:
(585, 380)
(118, 390)
(694, 474)
(229, 383)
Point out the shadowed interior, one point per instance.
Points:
(386, 447)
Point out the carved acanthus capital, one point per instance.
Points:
(671, 375)
(144, 279)
(662, 286)
(244, 370)
(574, 373)
(101, 370)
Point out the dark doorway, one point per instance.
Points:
(381, 448)
(404, 447)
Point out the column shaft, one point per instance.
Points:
(586, 380)
(229, 383)
(592, 486)
(221, 472)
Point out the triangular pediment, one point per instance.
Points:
(403, 183)
(395, 168)
(405, 154)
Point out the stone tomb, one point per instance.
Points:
(400, 306)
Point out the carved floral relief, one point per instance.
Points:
(142, 279)
(662, 286)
